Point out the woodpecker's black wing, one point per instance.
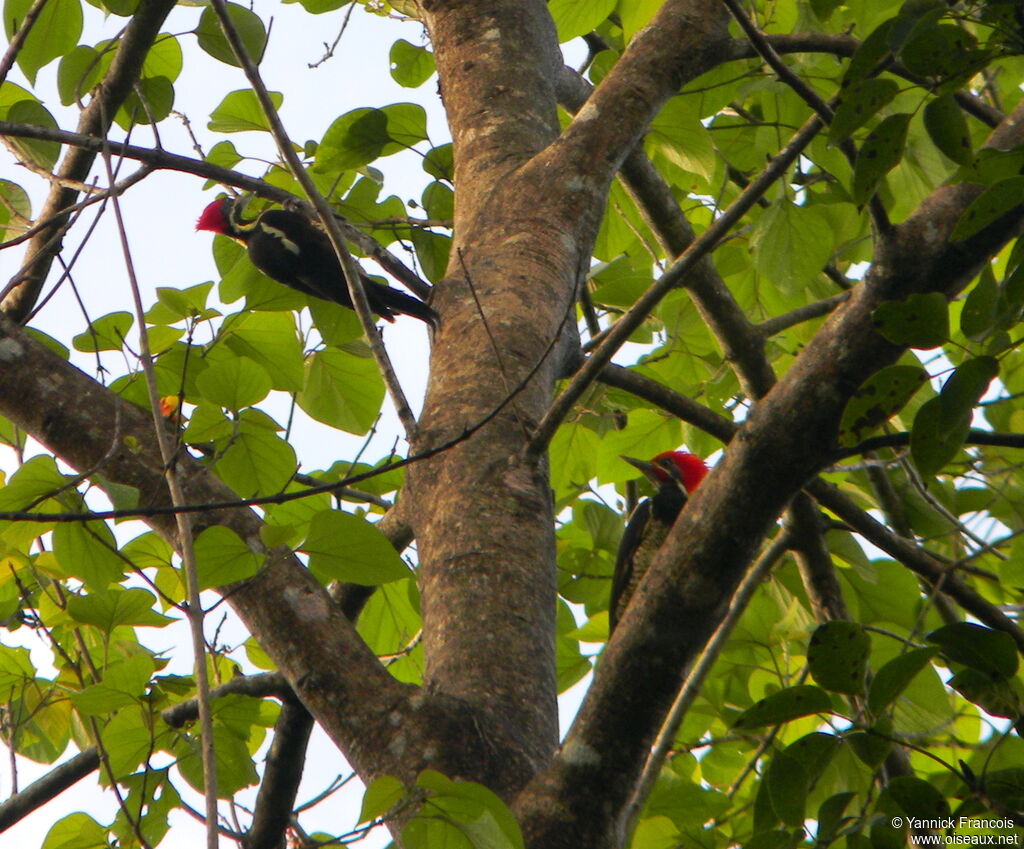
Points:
(623, 582)
(289, 249)
(646, 530)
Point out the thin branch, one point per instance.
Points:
(634, 317)
(975, 436)
(327, 219)
(806, 93)
(163, 160)
(115, 87)
(913, 557)
(194, 611)
(778, 323)
(696, 678)
(18, 39)
(50, 786)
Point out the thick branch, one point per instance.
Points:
(785, 440)
(289, 613)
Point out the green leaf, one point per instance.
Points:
(877, 400)
(380, 797)
(937, 436)
(880, 153)
(247, 24)
(871, 749)
(270, 339)
(116, 606)
(182, 303)
(15, 202)
(791, 245)
(432, 251)
(78, 72)
(988, 692)
(234, 383)
(150, 101)
(859, 103)
(124, 683)
(107, 333)
(87, 550)
(920, 321)
(574, 18)
(871, 52)
(787, 704)
(55, 32)
(678, 134)
(460, 814)
(362, 135)
(636, 14)
(438, 163)
(43, 153)
(222, 558)
(342, 390)
(76, 831)
(16, 671)
(830, 815)
(240, 112)
(917, 798)
(344, 547)
(235, 767)
(894, 677)
(257, 461)
(981, 310)
(837, 656)
(941, 425)
(1006, 787)
(947, 128)
(786, 781)
(389, 623)
(990, 205)
(411, 65)
(939, 50)
(976, 647)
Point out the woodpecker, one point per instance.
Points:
(289, 249)
(675, 474)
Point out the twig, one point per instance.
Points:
(330, 47)
(327, 219)
(778, 323)
(194, 611)
(18, 39)
(695, 680)
(284, 497)
(163, 160)
(490, 336)
(700, 247)
(807, 94)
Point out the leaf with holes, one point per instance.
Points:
(880, 153)
(877, 400)
(919, 321)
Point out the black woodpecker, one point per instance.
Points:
(291, 250)
(675, 474)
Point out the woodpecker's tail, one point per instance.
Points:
(388, 302)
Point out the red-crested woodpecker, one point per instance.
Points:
(291, 250)
(675, 474)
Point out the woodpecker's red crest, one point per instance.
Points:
(214, 217)
(681, 466)
(675, 474)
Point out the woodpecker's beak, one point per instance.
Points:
(649, 469)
